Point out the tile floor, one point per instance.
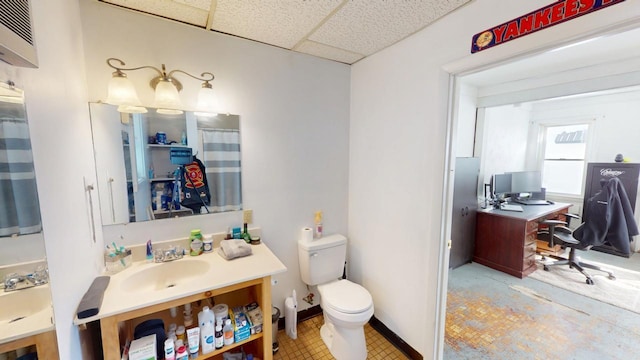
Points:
(309, 345)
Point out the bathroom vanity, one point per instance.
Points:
(27, 319)
(148, 290)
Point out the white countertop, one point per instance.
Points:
(119, 297)
(34, 304)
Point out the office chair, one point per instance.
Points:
(558, 233)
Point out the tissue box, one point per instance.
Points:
(241, 324)
(143, 348)
(117, 263)
(255, 317)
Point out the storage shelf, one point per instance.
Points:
(226, 348)
(162, 146)
(162, 179)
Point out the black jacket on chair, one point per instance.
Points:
(609, 219)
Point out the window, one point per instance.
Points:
(564, 158)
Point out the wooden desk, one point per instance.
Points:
(506, 240)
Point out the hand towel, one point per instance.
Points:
(231, 249)
(92, 299)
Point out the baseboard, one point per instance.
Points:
(394, 339)
(303, 315)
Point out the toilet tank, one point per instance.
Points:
(322, 260)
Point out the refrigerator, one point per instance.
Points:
(628, 173)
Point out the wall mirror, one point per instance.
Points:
(23, 264)
(153, 166)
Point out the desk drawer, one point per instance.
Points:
(529, 262)
(530, 248)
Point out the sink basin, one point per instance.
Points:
(20, 304)
(167, 275)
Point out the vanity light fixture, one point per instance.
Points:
(121, 91)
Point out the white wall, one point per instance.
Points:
(58, 121)
(397, 167)
(294, 114)
(504, 145)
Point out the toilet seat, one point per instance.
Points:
(345, 297)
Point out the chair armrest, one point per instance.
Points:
(553, 222)
(570, 215)
(563, 229)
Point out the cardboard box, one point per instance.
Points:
(241, 324)
(143, 348)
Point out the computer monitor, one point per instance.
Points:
(501, 184)
(526, 182)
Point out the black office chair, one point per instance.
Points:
(558, 233)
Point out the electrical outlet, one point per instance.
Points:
(247, 216)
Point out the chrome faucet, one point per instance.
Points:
(166, 255)
(19, 281)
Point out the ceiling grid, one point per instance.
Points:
(340, 30)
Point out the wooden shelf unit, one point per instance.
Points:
(118, 328)
(46, 344)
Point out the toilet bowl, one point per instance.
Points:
(347, 307)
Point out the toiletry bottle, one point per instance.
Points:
(180, 334)
(245, 234)
(229, 234)
(219, 337)
(169, 350)
(182, 353)
(228, 332)
(183, 138)
(318, 222)
(149, 251)
(195, 240)
(207, 334)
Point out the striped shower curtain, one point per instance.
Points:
(222, 163)
(19, 207)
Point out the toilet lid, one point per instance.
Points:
(346, 297)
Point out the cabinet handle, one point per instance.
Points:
(462, 212)
(466, 210)
(110, 181)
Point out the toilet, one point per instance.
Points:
(347, 306)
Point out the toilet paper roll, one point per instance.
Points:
(306, 234)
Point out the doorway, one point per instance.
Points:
(565, 71)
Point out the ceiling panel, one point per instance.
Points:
(340, 30)
(365, 27)
(189, 11)
(328, 52)
(278, 22)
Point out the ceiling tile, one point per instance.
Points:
(365, 26)
(278, 22)
(328, 52)
(189, 11)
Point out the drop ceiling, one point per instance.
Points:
(340, 30)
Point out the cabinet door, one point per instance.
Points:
(463, 220)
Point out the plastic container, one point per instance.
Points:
(207, 245)
(195, 240)
(169, 350)
(275, 315)
(219, 337)
(221, 312)
(182, 353)
(227, 331)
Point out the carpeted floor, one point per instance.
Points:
(492, 315)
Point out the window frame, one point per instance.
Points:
(542, 142)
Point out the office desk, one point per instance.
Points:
(506, 240)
